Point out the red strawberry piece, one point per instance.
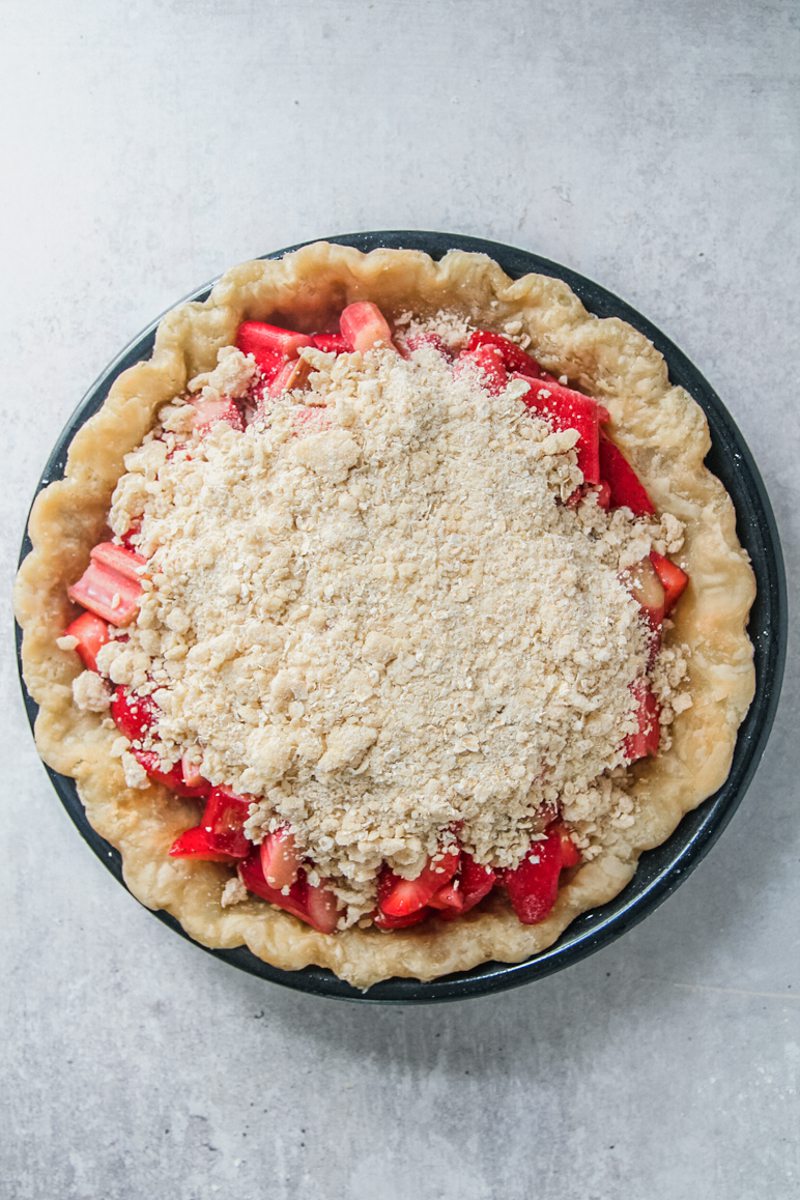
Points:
(570, 854)
(646, 587)
(195, 843)
(130, 537)
(223, 820)
(417, 341)
(564, 408)
(107, 594)
(265, 342)
(533, 886)
(383, 922)
(513, 356)
(280, 861)
(673, 579)
(133, 714)
(489, 363)
(364, 326)
(644, 742)
(604, 494)
(293, 374)
(190, 770)
(172, 778)
(625, 489)
(330, 343)
(449, 898)
(91, 633)
(319, 911)
(477, 881)
(210, 412)
(117, 558)
(398, 897)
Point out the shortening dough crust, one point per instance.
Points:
(662, 431)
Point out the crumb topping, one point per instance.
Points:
(384, 623)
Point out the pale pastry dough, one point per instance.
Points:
(662, 431)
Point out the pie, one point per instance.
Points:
(388, 613)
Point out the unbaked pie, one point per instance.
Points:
(384, 656)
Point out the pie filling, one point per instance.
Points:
(390, 604)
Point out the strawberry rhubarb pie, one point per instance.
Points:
(388, 613)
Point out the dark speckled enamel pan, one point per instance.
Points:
(661, 870)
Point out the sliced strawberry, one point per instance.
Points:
(625, 489)
(133, 714)
(223, 820)
(604, 494)
(673, 579)
(570, 854)
(91, 633)
(316, 906)
(211, 412)
(646, 587)
(417, 341)
(265, 341)
(644, 742)
(398, 897)
(383, 922)
(293, 374)
(330, 343)
(107, 594)
(513, 356)
(476, 881)
(125, 562)
(449, 898)
(364, 326)
(172, 779)
(489, 363)
(280, 861)
(533, 886)
(564, 408)
(195, 843)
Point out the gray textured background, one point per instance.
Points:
(147, 146)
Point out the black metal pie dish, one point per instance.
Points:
(660, 871)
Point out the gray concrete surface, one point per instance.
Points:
(146, 146)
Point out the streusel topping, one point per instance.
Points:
(374, 612)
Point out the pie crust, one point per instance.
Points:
(661, 430)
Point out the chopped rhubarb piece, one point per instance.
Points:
(316, 910)
(117, 558)
(211, 412)
(398, 897)
(564, 408)
(190, 770)
(223, 820)
(133, 714)
(265, 341)
(489, 362)
(172, 779)
(107, 594)
(330, 343)
(90, 633)
(513, 356)
(625, 489)
(195, 843)
(364, 326)
(673, 579)
(383, 922)
(418, 341)
(280, 861)
(646, 588)
(293, 374)
(644, 742)
(533, 886)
